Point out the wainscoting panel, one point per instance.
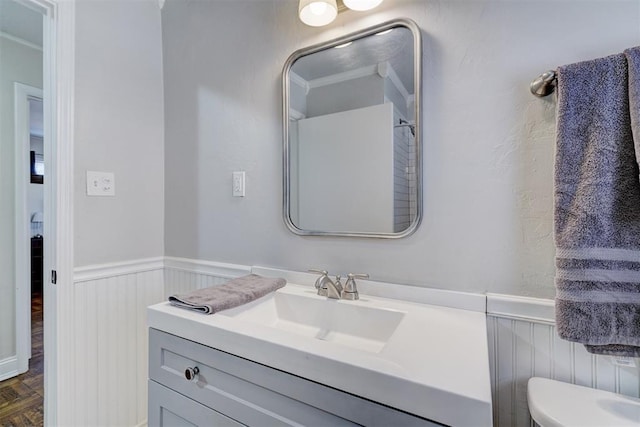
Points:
(111, 342)
(111, 348)
(521, 348)
(184, 275)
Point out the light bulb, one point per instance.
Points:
(318, 8)
(361, 4)
(317, 13)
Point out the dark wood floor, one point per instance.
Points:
(22, 397)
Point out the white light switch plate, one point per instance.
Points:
(101, 184)
(238, 184)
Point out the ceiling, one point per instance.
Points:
(19, 21)
(395, 47)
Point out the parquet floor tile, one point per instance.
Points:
(22, 397)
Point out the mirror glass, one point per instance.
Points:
(352, 149)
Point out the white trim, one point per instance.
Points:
(22, 94)
(536, 310)
(102, 271)
(20, 41)
(382, 69)
(8, 368)
(369, 70)
(393, 77)
(210, 268)
(299, 81)
(143, 423)
(40, 6)
(58, 85)
(295, 115)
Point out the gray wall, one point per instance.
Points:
(119, 128)
(488, 144)
(18, 63)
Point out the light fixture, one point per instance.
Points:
(361, 4)
(317, 13)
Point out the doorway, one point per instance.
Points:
(22, 72)
(56, 20)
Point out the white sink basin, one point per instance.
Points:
(427, 360)
(357, 326)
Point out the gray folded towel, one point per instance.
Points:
(232, 294)
(597, 209)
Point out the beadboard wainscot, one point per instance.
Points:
(111, 340)
(523, 343)
(110, 298)
(184, 275)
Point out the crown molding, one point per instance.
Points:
(20, 41)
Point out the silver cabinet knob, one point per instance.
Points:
(191, 373)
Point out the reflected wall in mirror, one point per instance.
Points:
(352, 148)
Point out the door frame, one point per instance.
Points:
(22, 95)
(58, 103)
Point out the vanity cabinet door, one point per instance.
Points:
(170, 409)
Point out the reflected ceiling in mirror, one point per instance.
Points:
(352, 147)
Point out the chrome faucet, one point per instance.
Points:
(321, 282)
(334, 290)
(350, 290)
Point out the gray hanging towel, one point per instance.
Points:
(633, 62)
(597, 209)
(232, 294)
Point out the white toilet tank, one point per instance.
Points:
(557, 404)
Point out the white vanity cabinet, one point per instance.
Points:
(232, 391)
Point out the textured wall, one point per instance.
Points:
(18, 63)
(119, 128)
(488, 144)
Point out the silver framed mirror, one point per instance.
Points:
(352, 155)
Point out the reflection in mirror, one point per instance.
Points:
(352, 136)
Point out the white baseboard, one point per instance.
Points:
(142, 424)
(8, 368)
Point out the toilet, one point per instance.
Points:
(557, 404)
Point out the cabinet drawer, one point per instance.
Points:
(256, 395)
(229, 384)
(170, 409)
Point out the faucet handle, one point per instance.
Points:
(323, 273)
(321, 282)
(350, 290)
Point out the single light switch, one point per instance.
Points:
(238, 184)
(101, 184)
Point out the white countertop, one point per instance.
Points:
(435, 364)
